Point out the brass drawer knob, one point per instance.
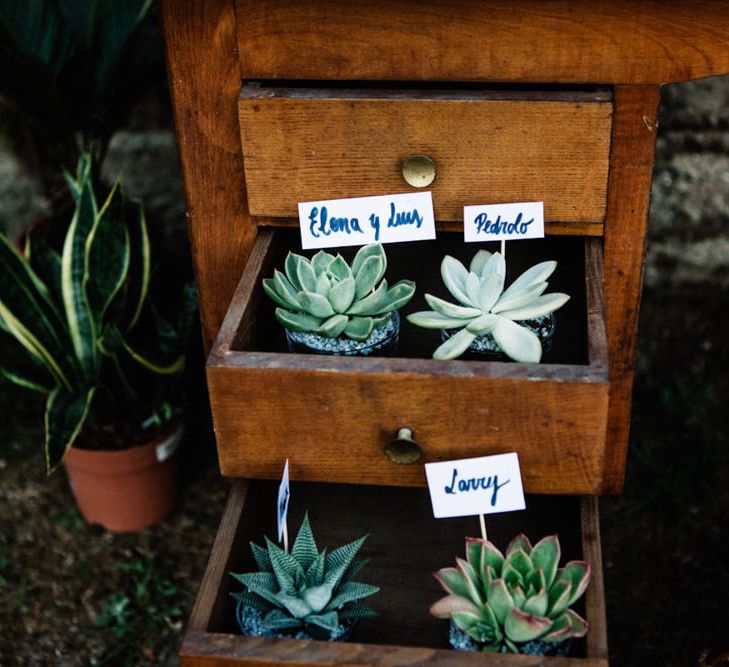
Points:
(403, 449)
(418, 171)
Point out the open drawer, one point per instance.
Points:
(405, 545)
(487, 146)
(333, 416)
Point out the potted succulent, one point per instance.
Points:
(303, 594)
(513, 603)
(328, 307)
(80, 328)
(489, 320)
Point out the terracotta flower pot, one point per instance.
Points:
(126, 490)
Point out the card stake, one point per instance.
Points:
(477, 486)
(362, 220)
(282, 507)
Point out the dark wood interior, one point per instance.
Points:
(421, 262)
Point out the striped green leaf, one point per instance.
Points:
(66, 412)
(74, 267)
(352, 591)
(46, 263)
(304, 549)
(30, 316)
(107, 257)
(138, 273)
(152, 361)
(18, 367)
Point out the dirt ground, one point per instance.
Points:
(75, 595)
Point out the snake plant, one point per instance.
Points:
(485, 307)
(79, 327)
(306, 589)
(503, 601)
(329, 298)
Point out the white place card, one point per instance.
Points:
(483, 485)
(363, 220)
(503, 222)
(283, 501)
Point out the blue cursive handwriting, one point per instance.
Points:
(320, 223)
(475, 484)
(375, 224)
(499, 226)
(397, 219)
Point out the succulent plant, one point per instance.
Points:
(328, 297)
(81, 327)
(486, 307)
(306, 589)
(504, 601)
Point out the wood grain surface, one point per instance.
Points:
(405, 545)
(332, 416)
(204, 80)
(597, 639)
(488, 147)
(631, 170)
(560, 41)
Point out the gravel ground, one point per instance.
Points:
(74, 595)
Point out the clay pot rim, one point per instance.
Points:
(122, 461)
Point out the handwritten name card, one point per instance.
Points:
(363, 220)
(483, 485)
(503, 222)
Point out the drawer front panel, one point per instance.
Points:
(335, 425)
(563, 41)
(303, 145)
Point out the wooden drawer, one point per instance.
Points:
(404, 546)
(303, 144)
(562, 41)
(332, 416)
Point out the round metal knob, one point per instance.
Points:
(403, 449)
(418, 171)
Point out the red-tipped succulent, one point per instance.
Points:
(505, 601)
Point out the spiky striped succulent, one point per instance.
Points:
(485, 307)
(328, 297)
(306, 589)
(504, 601)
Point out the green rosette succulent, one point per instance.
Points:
(504, 601)
(485, 307)
(326, 296)
(306, 589)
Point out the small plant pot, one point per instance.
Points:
(484, 347)
(130, 489)
(460, 641)
(382, 342)
(249, 620)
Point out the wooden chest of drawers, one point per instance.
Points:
(278, 102)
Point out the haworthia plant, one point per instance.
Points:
(485, 307)
(326, 296)
(504, 600)
(306, 589)
(79, 327)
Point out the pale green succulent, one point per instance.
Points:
(306, 589)
(504, 601)
(327, 297)
(485, 307)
